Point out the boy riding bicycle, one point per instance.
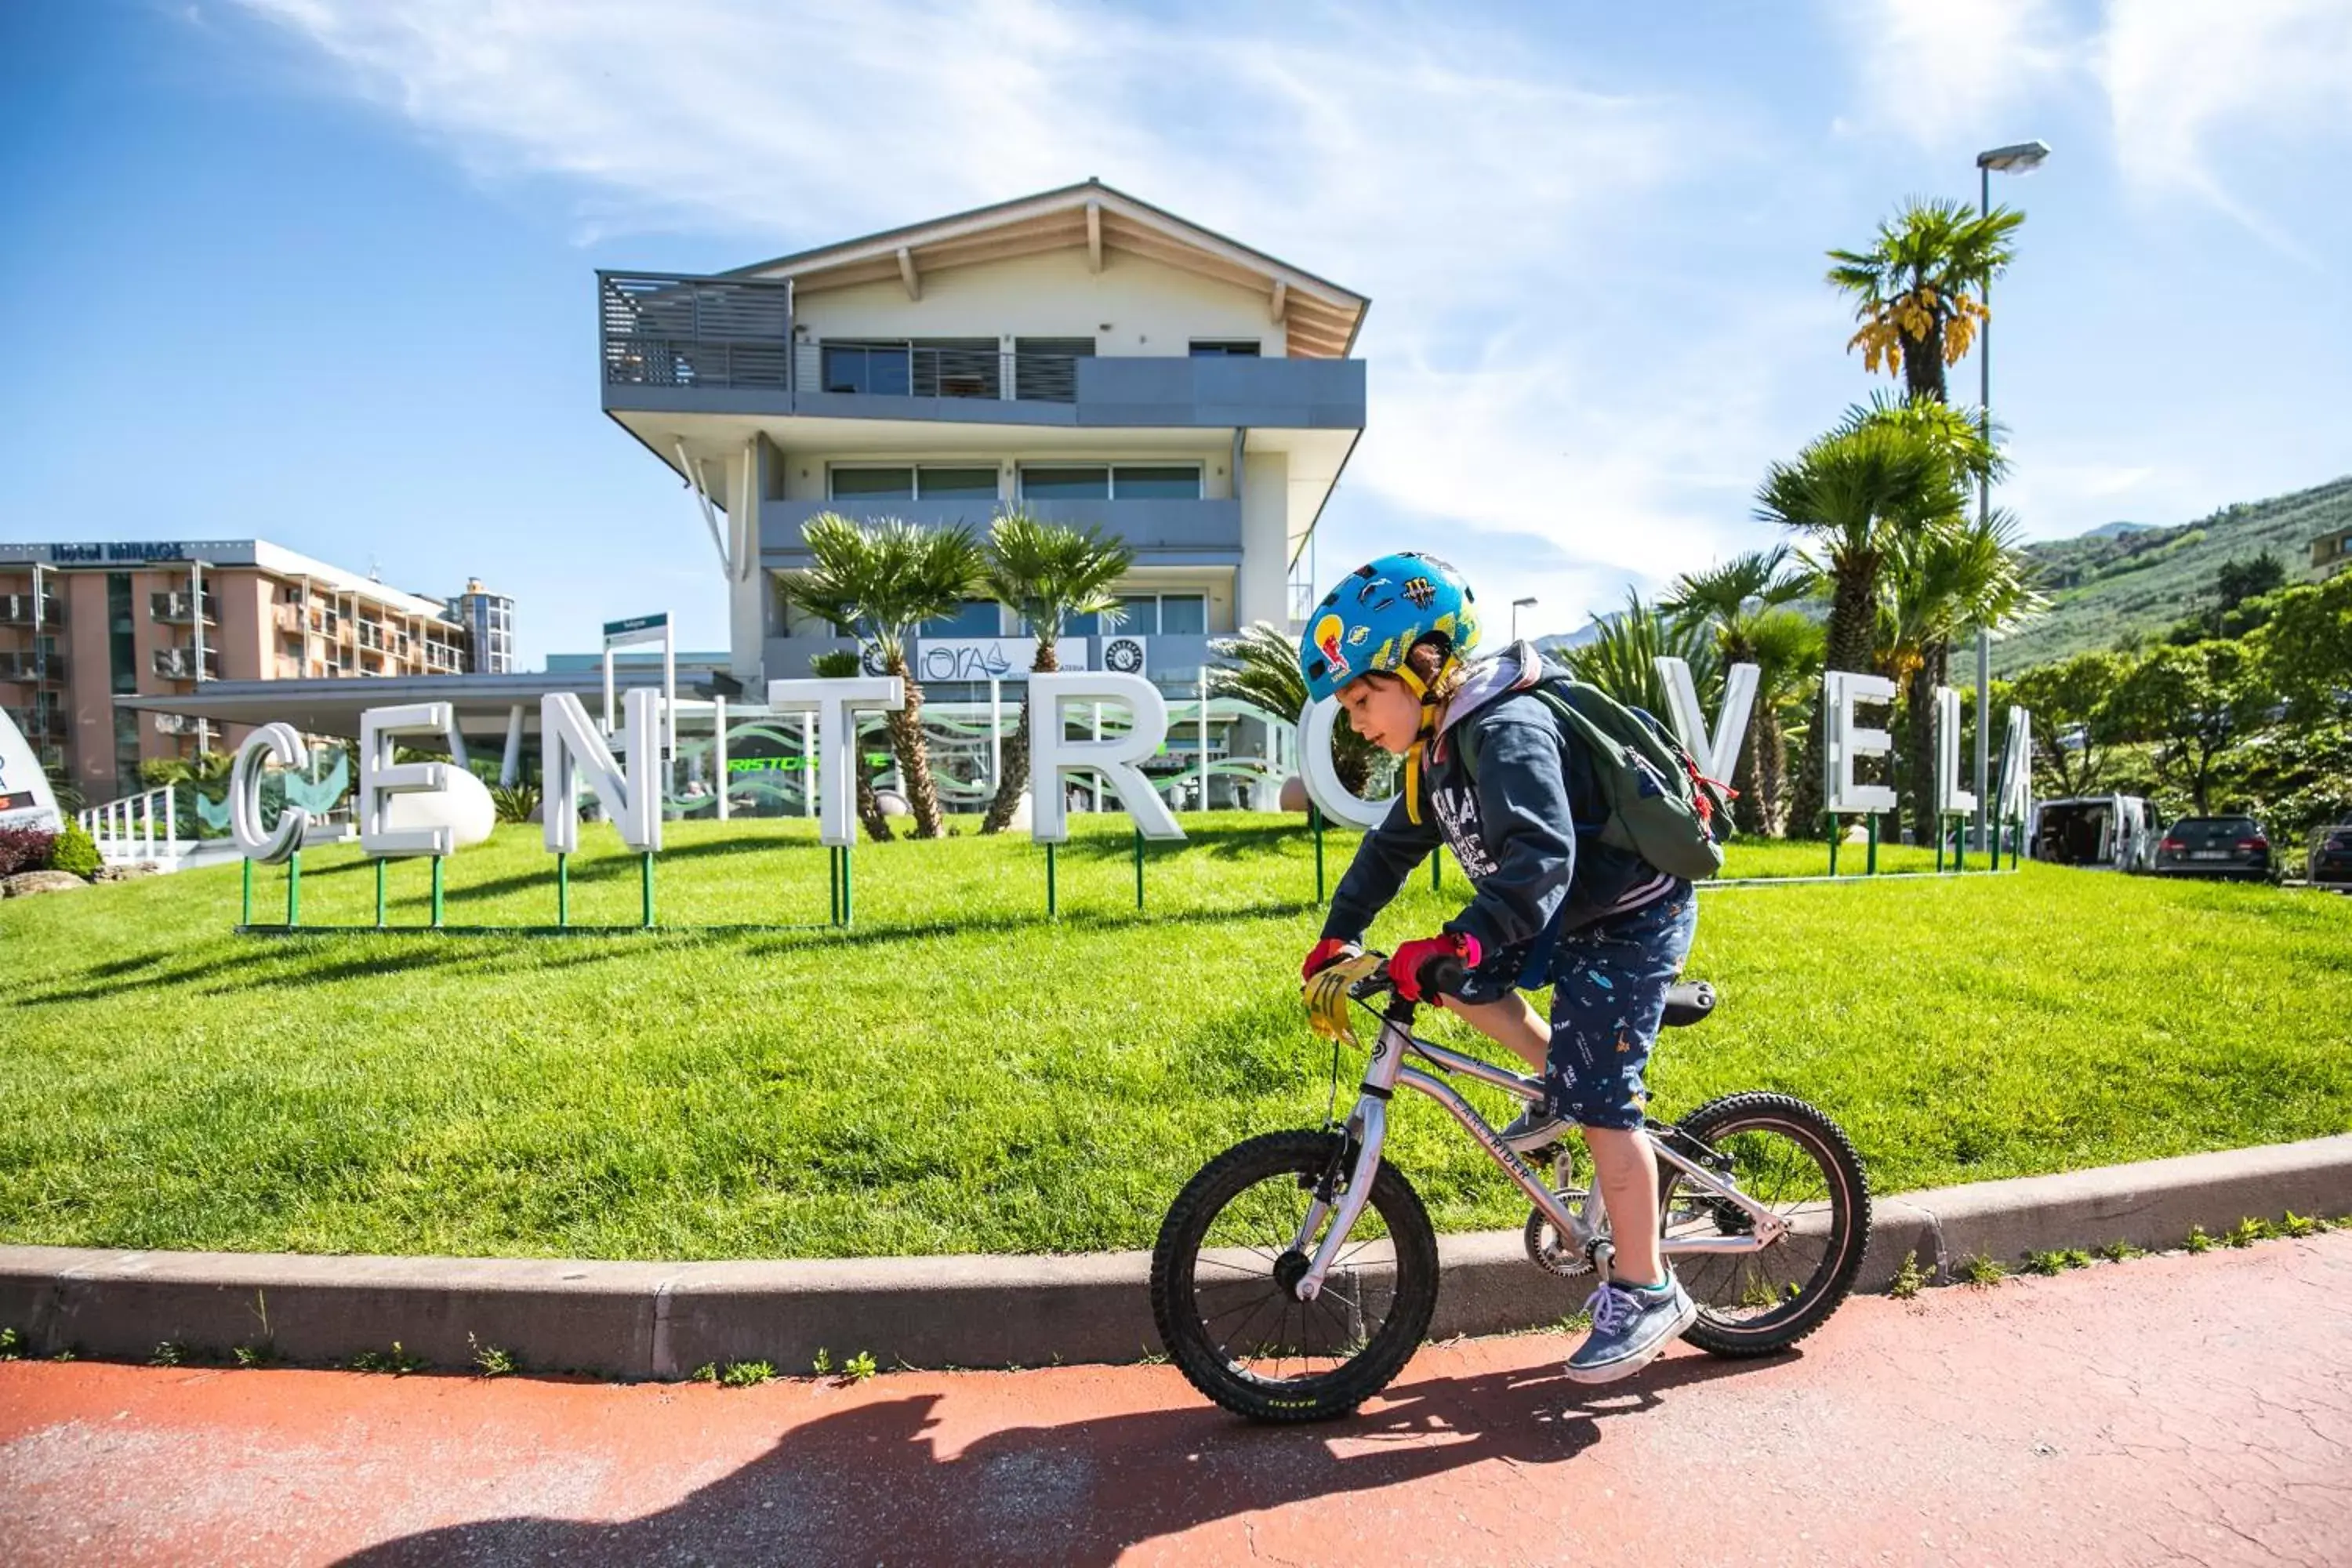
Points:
(1503, 777)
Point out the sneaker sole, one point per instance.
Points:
(1626, 1366)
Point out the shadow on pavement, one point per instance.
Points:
(869, 1485)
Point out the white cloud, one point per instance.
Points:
(1453, 173)
(2182, 76)
(1944, 73)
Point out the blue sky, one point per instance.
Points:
(320, 270)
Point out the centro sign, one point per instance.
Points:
(437, 808)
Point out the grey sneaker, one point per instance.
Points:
(1535, 1128)
(1630, 1328)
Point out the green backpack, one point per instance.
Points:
(1660, 807)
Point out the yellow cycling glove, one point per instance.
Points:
(1329, 1010)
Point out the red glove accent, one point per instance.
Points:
(1406, 962)
(1327, 952)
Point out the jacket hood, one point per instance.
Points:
(1515, 668)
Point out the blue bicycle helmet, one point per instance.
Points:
(1370, 621)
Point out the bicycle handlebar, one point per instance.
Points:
(1439, 976)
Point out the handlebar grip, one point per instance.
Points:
(1444, 977)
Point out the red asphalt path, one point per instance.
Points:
(2173, 1409)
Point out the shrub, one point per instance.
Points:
(514, 803)
(75, 851)
(25, 849)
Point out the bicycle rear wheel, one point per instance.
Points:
(1796, 1162)
(1222, 1273)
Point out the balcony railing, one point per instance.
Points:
(286, 617)
(180, 664)
(42, 669)
(38, 724)
(18, 610)
(665, 330)
(180, 609)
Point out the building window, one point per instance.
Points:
(1163, 614)
(913, 484)
(977, 618)
(1224, 348)
(1124, 481)
(126, 752)
(872, 369)
(1047, 369)
(122, 636)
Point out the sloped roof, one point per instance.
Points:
(1322, 318)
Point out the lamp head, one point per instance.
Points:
(2021, 158)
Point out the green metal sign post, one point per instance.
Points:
(1052, 896)
(1139, 867)
(1315, 818)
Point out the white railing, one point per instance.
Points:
(124, 830)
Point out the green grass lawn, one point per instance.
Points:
(958, 1074)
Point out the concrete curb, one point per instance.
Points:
(664, 1319)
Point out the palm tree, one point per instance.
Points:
(1265, 671)
(1920, 288)
(1730, 600)
(1623, 657)
(1047, 574)
(1942, 581)
(1853, 495)
(1788, 651)
(837, 663)
(883, 581)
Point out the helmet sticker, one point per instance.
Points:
(1328, 634)
(1421, 591)
(1356, 635)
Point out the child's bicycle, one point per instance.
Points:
(1283, 1300)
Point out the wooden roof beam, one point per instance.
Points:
(907, 274)
(1281, 302)
(1094, 237)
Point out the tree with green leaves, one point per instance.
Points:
(2197, 703)
(882, 580)
(1734, 601)
(1262, 668)
(1849, 498)
(839, 663)
(1048, 573)
(1942, 581)
(2306, 649)
(1919, 289)
(1622, 658)
(2075, 717)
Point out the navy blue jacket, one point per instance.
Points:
(1514, 829)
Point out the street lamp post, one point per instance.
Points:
(1517, 605)
(2019, 158)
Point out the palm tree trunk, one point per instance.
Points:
(1771, 772)
(909, 745)
(1015, 753)
(1851, 645)
(869, 809)
(1923, 364)
(1919, 742)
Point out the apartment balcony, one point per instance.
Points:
(673, 344)
(180, 664)
(287, 617)
(38, 724)
(1163, 532)
(33, 669)
(48, 611)
(181, 609)
(177, 724)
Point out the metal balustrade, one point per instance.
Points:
(180, 609)
(124, 830)
(671, 329)
(27, 609)
(180, 664)
(41, 668)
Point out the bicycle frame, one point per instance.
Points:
(1368, 1131)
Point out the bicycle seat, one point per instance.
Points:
(1688, 1003)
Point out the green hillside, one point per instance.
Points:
(2113, 582)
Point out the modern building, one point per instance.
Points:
(488, 620)
(1080, 354)
(2331, 550)
(82, 625)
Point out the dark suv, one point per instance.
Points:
(2331, 856)
(2230, 847)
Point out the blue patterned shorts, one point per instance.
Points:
(1609, 991)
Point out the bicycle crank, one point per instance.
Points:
(1550, 1251)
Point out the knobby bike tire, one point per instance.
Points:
(1850, 1219)
(1188, 1341)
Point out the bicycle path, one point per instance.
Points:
(2190, 1409)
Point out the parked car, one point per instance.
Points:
(2331, 856)
(2230, 846)
(2107, 831)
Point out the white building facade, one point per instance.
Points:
(1079, 353)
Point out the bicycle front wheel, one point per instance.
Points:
(1229, 1253)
